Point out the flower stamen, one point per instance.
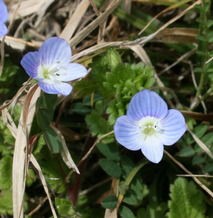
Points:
(148, 126)
(46, 72)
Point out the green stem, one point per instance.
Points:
(205, 9)
(128, 180)
(133, 173)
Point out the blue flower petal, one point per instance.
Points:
(30, 62)
(152, 148)
(3, 29)
(55, 88)
(147, 103)
(55, 50)
(127, 133)
(173, 127)
(72, 72)
(3, 12)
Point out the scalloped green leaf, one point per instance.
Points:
(186, 200)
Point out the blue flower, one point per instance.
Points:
(149, 125)
(51, 66)
(3, 18)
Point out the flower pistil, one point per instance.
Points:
(46, 72)
(149, 126)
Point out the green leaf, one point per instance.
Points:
(54, 170)
(126, 165)
(208, 167)
(198, 160)
(186, 200)
(6, 202)
(119, 86)
(31, 177)
(110, 167)
(200, 130)
(80, 108)
(136, 192)
(112, 58)
(153, 210)
(97, 124)
(5, 172)
(110, 151)
(6, 140)
(100, 65)
(208, 139)
(64, 208)
(125, 212)
(109, 202)
(10, 79)
(44, 118)
(53, 140)
(45, 110)
(186, 152)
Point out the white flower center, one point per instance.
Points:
(48, 72)
(149, 126)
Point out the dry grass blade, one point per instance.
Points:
(13, 101)
(99, 20)
(172, 7)
(66, 154)
(201, 144)
(19, 44)
(140, 41)
(178, 34)
(43, 181)
(20, 152)
(74, 20)
(110, 213)
(128, 6)
(2, 56)
(42, 11)
(208, 61)
(163, 27)
(8, 120)
(99, 48)
(138, 49)
(29, 105)
(198, 116)
(68, 159)
(28, 7)
(157, 2)
(206, 189)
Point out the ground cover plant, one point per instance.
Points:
(106, 108)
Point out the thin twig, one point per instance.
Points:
(37, 207)
(195, 175)
(2, 56)
(94, 7)
(93, 146)
(84, 192)
(195, 101)
(180, 59)
(201, 144)
(205, 188)
(172, 7)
